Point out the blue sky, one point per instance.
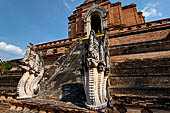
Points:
(38, 21)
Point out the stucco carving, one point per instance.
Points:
(96, 8)
(96, 70)
(33, 64)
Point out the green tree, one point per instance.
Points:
(4, 66)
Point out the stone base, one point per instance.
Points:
(23, 98)
(98, 107)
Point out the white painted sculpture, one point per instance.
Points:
(96, 70)
(28, 85)
(1, 61)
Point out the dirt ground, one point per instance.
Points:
(5, 108)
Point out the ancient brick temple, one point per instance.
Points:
(139, 51)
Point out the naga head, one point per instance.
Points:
(31, 46)
(100, 67)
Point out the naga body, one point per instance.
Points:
(33, 65)
(96, 70)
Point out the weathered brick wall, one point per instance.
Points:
(8, 85)
(139, 37)
(130, 12)
(140, 68)
(9, 80)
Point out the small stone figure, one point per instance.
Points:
(34, 66)
(95, 66)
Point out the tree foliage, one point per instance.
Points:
(4, 66)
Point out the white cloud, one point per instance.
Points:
(9, 51)
(66, 4)
(150, 10)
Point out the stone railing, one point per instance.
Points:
(56, 47)
(57, 43)
(139, 27)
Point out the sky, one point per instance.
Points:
(39, 21)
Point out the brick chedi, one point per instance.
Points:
(139, 53)
(117, 16)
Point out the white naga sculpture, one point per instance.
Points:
(96, 69)
(33, 64)
(1, 61)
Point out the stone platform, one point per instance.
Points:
(51, 106)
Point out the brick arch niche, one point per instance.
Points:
(96, 19)
(96, 23)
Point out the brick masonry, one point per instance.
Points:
(139, 55)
